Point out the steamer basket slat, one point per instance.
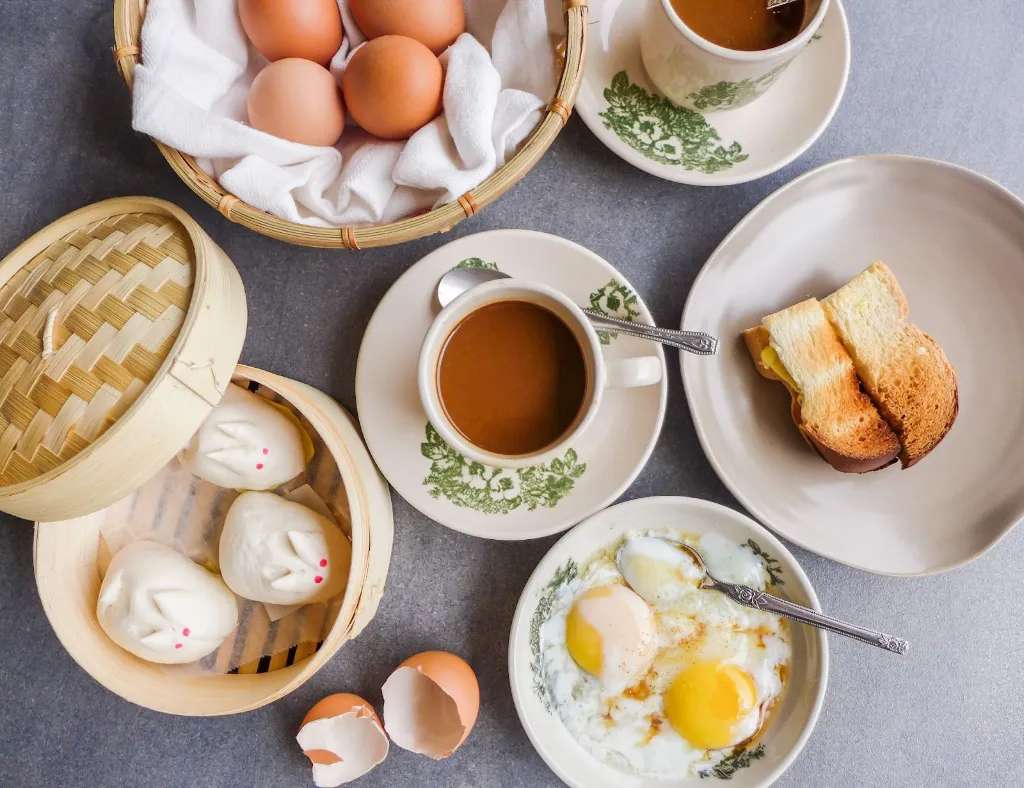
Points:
(128, 16)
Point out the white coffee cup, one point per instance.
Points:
(700, 75)
(601, 374)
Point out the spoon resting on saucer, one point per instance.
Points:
(459, 280)
(759, 600)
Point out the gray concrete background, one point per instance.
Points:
(924, 81)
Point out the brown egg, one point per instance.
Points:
(393, 86)
(297, 100)
(309, 29)
(435, 23)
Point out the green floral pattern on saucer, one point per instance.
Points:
(663, 132)
(726, 95)
(477, 262)
(496, 490)
(614, 300)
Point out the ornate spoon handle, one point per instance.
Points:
(759, 600)
(696, 342)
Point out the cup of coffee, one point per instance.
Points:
(511, 373)
(710, 55)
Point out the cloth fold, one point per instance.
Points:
(190, 93)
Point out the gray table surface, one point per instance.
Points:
(922, 82)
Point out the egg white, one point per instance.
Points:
(629, 730)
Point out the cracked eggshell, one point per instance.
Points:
(343, 738)
(431, 702)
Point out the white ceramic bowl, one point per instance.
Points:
(792, 722)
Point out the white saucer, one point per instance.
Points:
(468, 497)
(732, 146)
(755, 766)
(955, 240)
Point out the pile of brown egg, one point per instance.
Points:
(392, 85)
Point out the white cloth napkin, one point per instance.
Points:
(191, 87)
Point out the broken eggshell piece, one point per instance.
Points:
(247, 443)
(343, 738)
(431, 702)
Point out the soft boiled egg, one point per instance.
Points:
(610, 633)
(713, 705)
(685, 675)
(658, 570)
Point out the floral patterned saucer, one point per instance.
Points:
(492, 502)
(619, 105)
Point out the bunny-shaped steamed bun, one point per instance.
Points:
(246, 443)
(163, 607)
(277, 551)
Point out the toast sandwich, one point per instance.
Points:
(799, 347)
(903, 369)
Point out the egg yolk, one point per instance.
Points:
(705, 702)
(581, 638)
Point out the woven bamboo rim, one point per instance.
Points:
(128, 16)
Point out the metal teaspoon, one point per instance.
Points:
(459, 280)
(759, 600)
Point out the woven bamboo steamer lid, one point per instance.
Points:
(66, 556)
(120, 326)
(128, 17)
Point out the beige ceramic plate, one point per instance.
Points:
(618, 103)
(956, 241)
(504, 503)
(753, 767)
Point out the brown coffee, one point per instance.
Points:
(512, 378)
(742, 24)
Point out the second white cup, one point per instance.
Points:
(601, 373)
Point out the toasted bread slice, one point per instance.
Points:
(902, 368)
(799, 347)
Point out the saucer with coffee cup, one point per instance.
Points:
(713, 92)
(506, 415)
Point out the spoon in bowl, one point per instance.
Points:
(759, 600)
(459, 280)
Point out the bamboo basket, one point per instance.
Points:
(67, 553)
(128, 17)
(121, 325)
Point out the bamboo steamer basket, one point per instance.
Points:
(121, 325)
(128, 17)
(66, 557)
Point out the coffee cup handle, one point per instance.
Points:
(628, 373)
